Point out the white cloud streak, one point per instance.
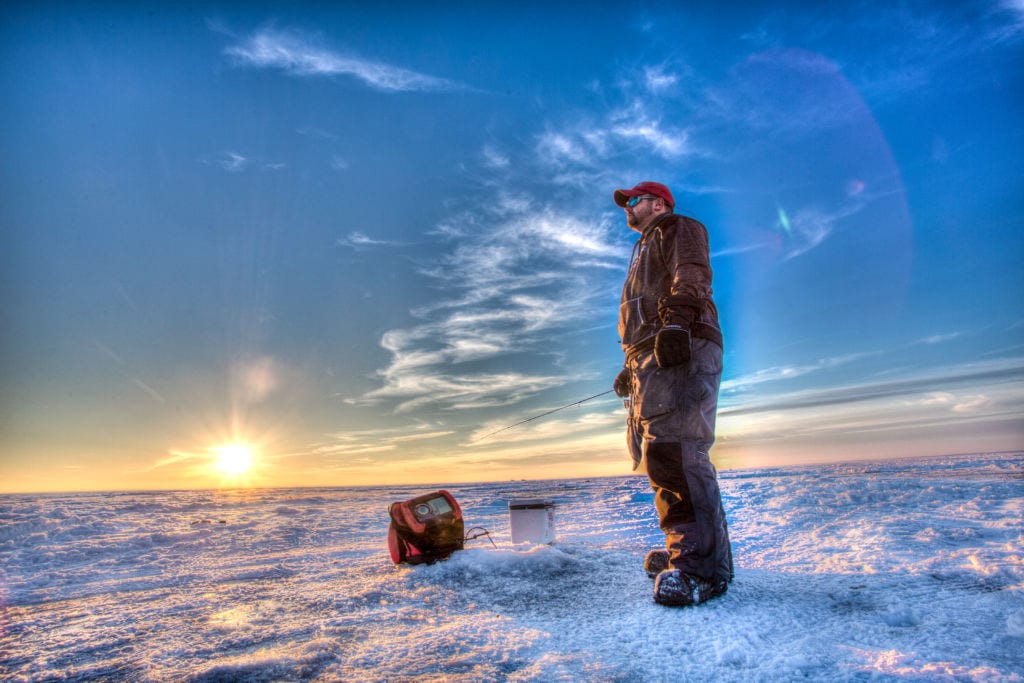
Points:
(971, 412)
(299, 55)
(358, 240)
(237, 162)
(153, 393)
(810, 226)
(515, 279)
(373, 441)
(666, 143)
(733, 251)
(1013, 26)
(941, 338)
(784, 373)
(173, 458)
(929, 384)
(657, 80)
(581, 154)
(495, 159)
(233, 162)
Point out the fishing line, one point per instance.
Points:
(537, 417)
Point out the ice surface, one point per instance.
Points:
(910, 570)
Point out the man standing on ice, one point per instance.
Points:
(668, 324)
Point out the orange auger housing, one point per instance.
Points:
(425, 529)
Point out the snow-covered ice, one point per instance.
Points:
(909, 570)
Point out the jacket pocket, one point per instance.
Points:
(689, 388)
(659, 391)
(638, 319)
(705, 357)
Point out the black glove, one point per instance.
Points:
(672, 346)
(679, 310)
(623, 383)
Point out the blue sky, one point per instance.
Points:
(359, 239)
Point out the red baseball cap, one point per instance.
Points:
(646, 187)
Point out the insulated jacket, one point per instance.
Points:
(669, 280)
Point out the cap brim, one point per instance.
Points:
(622, 196)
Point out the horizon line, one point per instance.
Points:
(445, 485)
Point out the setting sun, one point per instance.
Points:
(234, 459)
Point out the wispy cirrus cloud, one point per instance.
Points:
(658, 79)
(173, 458)
(359, 241)
(367, 442)
(316, 133)
(494, 159)
(668, 143)
(591, 439)
(790, 372)
(591, 146)
(1010, 26)
(416, 384)
(233, 162)
(941, 338)
(740, 249)
(1000, 372)
(299, 54)
(517, 276)
(810, 226)
(944, 35)
(236, 162)
(520, 274)
(970, 407)
(153, 393)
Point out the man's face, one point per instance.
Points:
(639, 215)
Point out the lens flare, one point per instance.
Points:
(784, 221)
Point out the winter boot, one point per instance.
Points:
(656, 562)
(674, 588)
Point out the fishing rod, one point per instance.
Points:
(537, 417)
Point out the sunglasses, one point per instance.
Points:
(633, 201)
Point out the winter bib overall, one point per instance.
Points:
(671, 421)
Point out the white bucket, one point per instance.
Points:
(533, 521)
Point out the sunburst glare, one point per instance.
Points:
(234, 460)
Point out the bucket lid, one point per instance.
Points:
(530, 504)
